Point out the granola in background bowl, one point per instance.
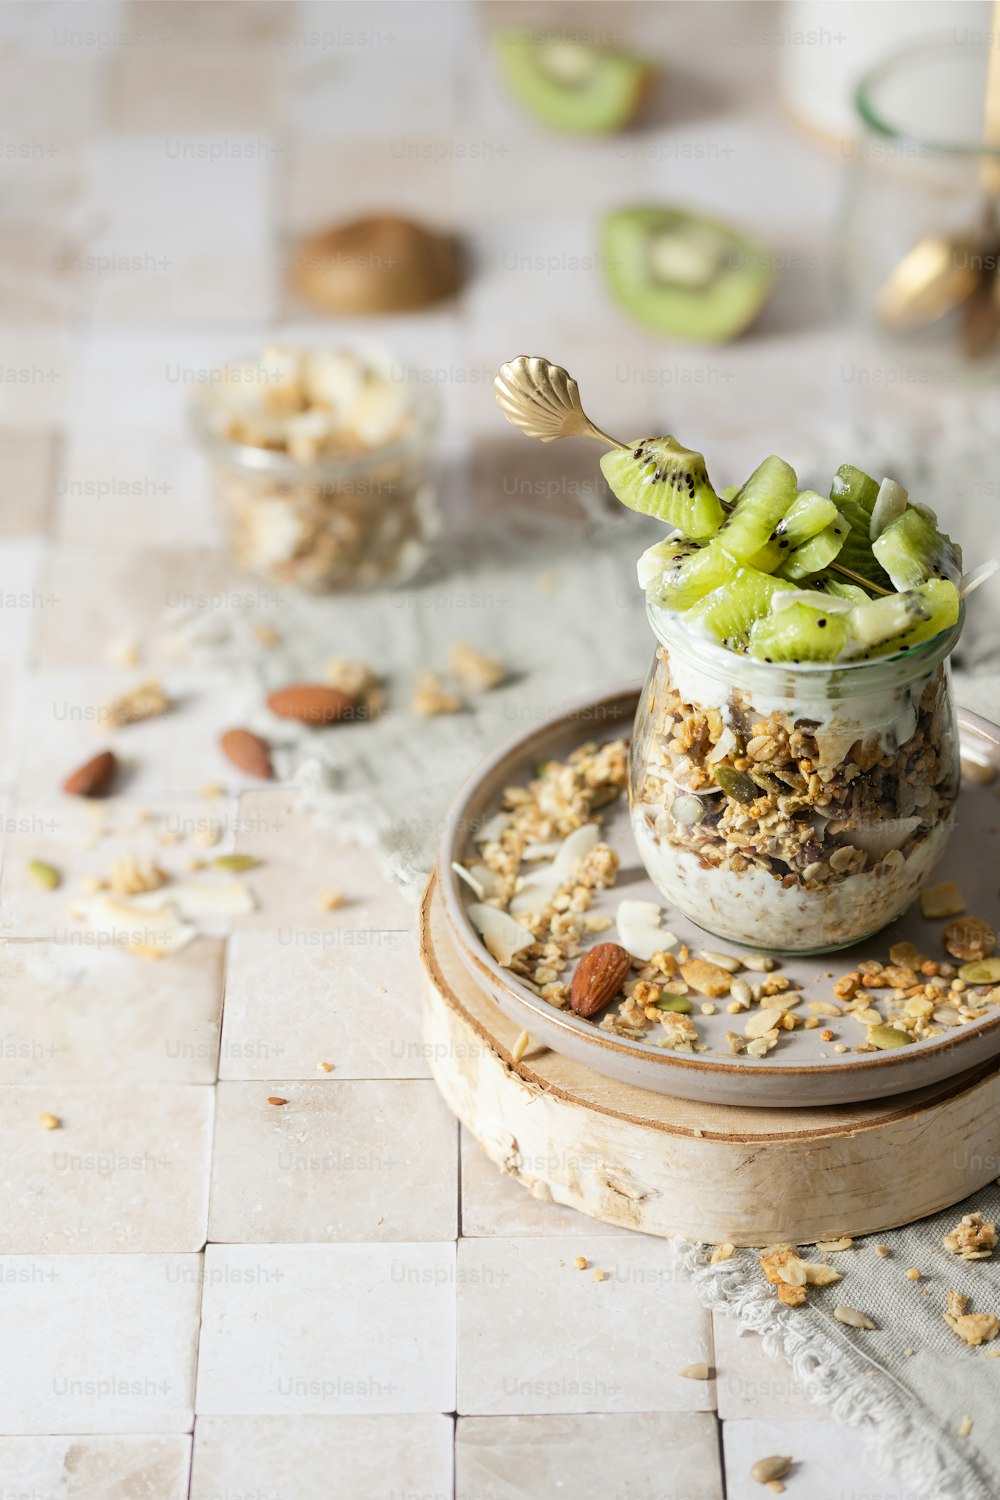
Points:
(321, 461)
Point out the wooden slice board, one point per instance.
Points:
(707, 1172)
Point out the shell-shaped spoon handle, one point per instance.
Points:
(543, 400)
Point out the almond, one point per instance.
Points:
(248, 752)
(599, 976)
(94, 777)
(311, 703)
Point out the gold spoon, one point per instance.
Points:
(543, 401)
(940, 273)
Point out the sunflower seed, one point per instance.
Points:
(852, 1317)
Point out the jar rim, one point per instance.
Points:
(424, 406)
(850, 678)
(874, 117)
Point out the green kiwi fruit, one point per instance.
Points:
(799, 633)
(683, 275)
(808, 515)
(817, 553)
(727, 613)
(911, 549)
(854, 493)
(570, 84)
(896, 622)
(660, 478)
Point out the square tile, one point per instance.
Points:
(140, 492)
(296, 1458)
(196, 86)
(81, 1468)
(538, 1335)
(339, 1329)
(84, 1015)
(750, 1383)
(291, 1007)
(127, 1168)
(495, 1203)
(34, 375)
(645, 1455)
(93, 1342)
(828, 1460)
(24, 598)
(300, 858)
(353, 1160)
(25, 473)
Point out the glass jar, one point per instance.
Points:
(335, 522)
(797, 808)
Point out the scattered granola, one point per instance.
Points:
(722, 1252)
(49, 1122)
(130, 876)
(475, 670)
(332, 899)
(969, 938)
(974, 1328)
(360, 682)
(944, 900)
(955, 1302)
(431, 697)
(147, 701)
(973, 1238)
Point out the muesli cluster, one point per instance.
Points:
(808, 804)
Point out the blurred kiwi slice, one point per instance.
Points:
(684, 275)
(379, 264)
(570, 84)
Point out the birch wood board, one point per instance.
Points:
(707, 1172)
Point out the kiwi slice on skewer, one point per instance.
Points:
(808, 515)
(854, 493)
(569, 84)
(683, 275)
(911, 549)
(661, 478)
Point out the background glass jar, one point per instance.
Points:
(336, 522)
(796, 808)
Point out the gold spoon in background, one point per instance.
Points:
(543, 401)
(940, 273)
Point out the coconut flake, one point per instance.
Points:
(638, 924)
(231, 898)
(890, 502)
(155, 932)
(502, 935)
(538, 888)
(470, 880)
(492, 829)
(480, 880)
(879, 838)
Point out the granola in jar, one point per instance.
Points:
(321, 462)
(792, 806)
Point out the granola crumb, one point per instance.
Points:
(882, 1250)
(974, 1328)
(49, 1122)
(431, 698)
(955, 1302)
(266, 634)
(965, 1427)
(973, 1238)
(146, 701)
(474, 669)
(913, 1274)
(520, 1047)
(212, 789)
(332, 899)
(581, 1263)
(326, 1067)
(359, 681)
(600, 1275)
(129, 877)
(208, 835)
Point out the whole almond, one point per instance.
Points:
(93, 778)
(599, 976)
(248, 752)
(311, 703)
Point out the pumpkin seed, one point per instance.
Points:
(736, 784)
(884, 1037)
(687, 811)
(981, 971)
(766, 1469)
(852, 1317)
(46, 876)
(679, 1003)
(768, 783)
(235, 862)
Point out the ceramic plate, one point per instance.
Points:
(802, 1070)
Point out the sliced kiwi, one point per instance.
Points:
(728, 613)
(817, 553)
(808, 515)
(854, 493)
(662, 559)
(683, 275)
(898, 621)
(570, 84)
(660, 478)
(911, 549)
(799, 633)
(839, 588)
(852, 486)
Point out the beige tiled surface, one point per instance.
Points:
(166, 155)
(291, 1457)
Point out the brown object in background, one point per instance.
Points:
(94, 777)
(248, 752)
(311, 703)
(379, 264)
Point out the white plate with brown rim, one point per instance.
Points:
(804, 1069)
